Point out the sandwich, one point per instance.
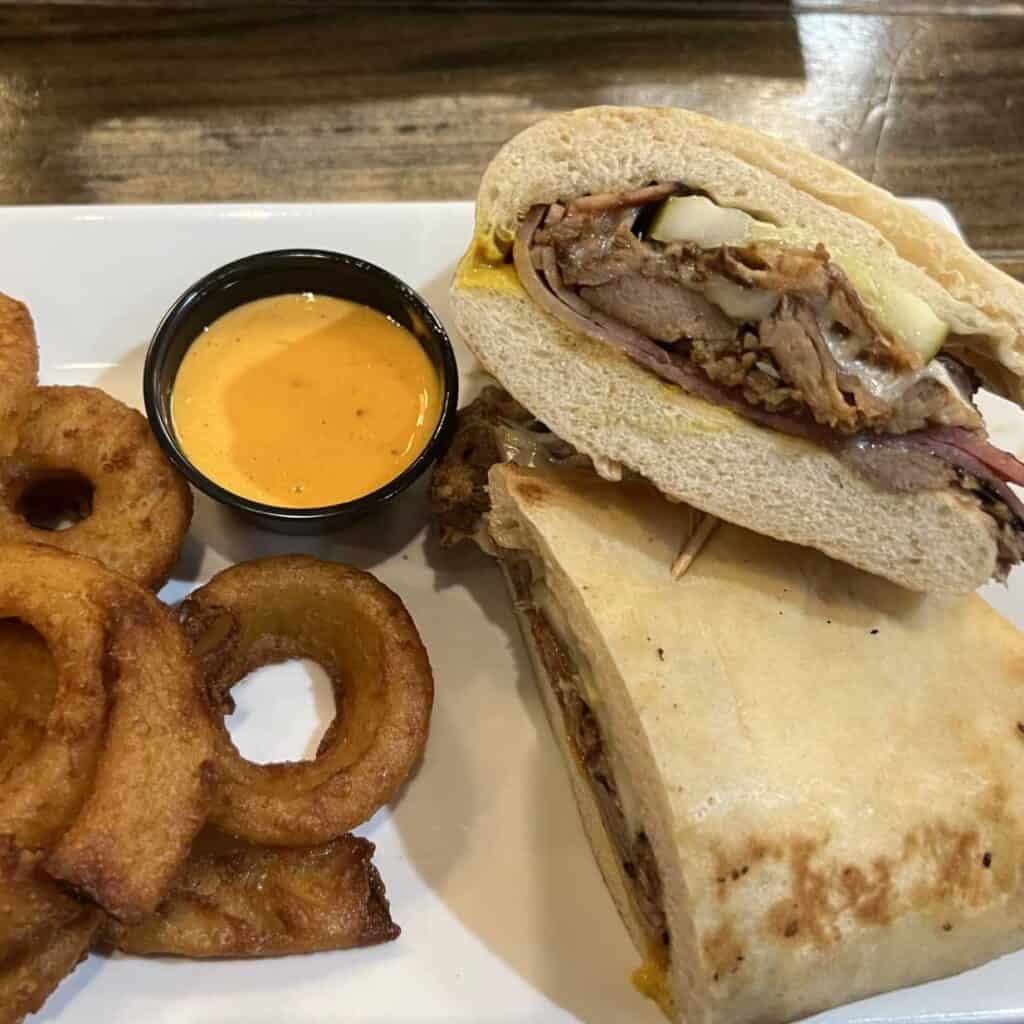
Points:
(803, 784)
(755, 331)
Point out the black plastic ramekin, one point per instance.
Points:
(281, 272)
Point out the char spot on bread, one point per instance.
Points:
(723, 951)
(938, 864)
(532, 492)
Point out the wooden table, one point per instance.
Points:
(409, 101)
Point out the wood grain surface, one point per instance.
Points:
(144, 103)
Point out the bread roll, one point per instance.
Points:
(619, 413)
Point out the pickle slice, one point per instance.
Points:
(698, 219)
(911, 321)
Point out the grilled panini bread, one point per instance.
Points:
(757, 332)
(803, 784)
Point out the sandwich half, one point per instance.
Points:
(803, 784)
(757, 332)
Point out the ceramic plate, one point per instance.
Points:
(504, 916)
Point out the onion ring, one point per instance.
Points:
(240, 900)
(118, 785)
(50, 591)
(35, 912)
(19, 367)
(140, 508)
(154, 780)
(27, 979)
(31, 905)
(359, 631)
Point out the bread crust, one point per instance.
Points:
(821, 761)
(692, 450)
(598, 149)
(615, 879)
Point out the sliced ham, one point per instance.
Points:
(967, 461)
(1002, 464)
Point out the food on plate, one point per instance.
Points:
(106, 773)
(302, 401)
(31, 975)
(802, 783)
(154, 778)
(44, 932)
(79, 447)
(358, 630)
(757, 332)
(54, 631)
(118, 783)
(19, 365)
(235, 899)
(31, 904)
(110, 737)
(51, 592)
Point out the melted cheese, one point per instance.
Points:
(889, 385)
(651, 979)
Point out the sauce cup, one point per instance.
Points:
(282, 272)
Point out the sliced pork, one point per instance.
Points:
(757, 329)
(677, 293)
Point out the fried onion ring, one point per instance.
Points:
(154, 780)
(28, 978)
(19, 367)
(240, 900)
(35, 912)
(50, 591)
(140, 507)
(272, 610)
(31, 904)
(119, 783)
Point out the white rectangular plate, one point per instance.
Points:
(503, 912)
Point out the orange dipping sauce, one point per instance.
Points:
(304, 400)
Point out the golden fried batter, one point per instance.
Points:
(347, 621)
(34, 909)
(119, 783)
(52, 592)
(139, 510)
(235, 899)
(154, 779)
(19, 367)
(31, 904)
(28, 978)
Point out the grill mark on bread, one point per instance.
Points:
(938, 866)
(532, 492)
(724, 954)
(869, 898)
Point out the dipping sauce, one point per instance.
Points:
(304, 400)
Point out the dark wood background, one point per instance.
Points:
(149, 103)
